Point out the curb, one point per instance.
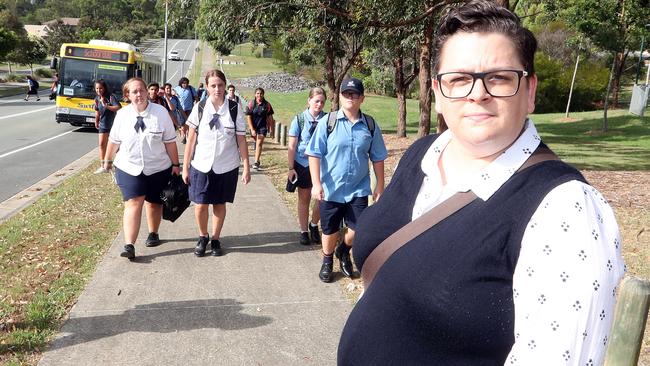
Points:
(20, 200)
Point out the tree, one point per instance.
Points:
(8, 42)
(30, 50)
(612, 25)
(57, 34)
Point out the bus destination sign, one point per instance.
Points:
(97, 54)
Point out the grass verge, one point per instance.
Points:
(47, 254)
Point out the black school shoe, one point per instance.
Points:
(315, 234)
(128, 251)
(304, 238)
(153, 240)
(215, 244)
(344, 260)
(325, 273)
(199, 251)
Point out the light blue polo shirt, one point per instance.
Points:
(186, 96)
(344, 157)
(294, 130)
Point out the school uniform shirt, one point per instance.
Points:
(344, 156)
(186, 96)
(142, 151)
(564, 283)
(304, 135)
(106, 115)
(216, 148)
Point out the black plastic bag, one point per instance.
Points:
(175, 198)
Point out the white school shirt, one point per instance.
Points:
(142, 151)
(216, 149)
(569, 266)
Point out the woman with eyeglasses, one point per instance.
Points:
(215, 145)
(300, 131)
(144, 139)
(525, 271)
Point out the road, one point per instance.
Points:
(33, 145)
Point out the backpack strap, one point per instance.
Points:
(200, 113)
(370, 122)
(331, 122)
(301, 124)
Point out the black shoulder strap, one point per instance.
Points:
(370, 122)
(301, 124)
(232, 107)
(200, 112)
(413, 229)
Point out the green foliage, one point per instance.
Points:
(57, 34)
(16, 78)
(8, 42)
(554, 82)
(43, 73)
(86, 34)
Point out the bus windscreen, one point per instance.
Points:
(78, 77)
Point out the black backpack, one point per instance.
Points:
(331, 122)
(36, 84)
(175, 197)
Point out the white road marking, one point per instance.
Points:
(28, 112)
(35, 144)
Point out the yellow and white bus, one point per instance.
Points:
(81, 64)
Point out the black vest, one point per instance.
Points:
(445, 298)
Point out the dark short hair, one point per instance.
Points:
(154, 84)
(486, 17)
(183, 80)
(167, 84)
(230, 86)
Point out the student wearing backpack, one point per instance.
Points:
(176, 111)
(302, 127)
(338, 152)
(260, 121)
(187, 95)
(215, 144)
(32, 88)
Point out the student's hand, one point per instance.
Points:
(246, 175)
(97, 124)
(186, 176)
(253, 134)
(317, 192)
(291, 175)
(377, 194)
(176, 170)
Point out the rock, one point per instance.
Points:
(278, 82)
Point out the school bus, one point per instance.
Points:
(81, 64)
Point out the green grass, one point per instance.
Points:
(252, 65)
(47, 254)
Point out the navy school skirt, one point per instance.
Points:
(149, 186)
(212, 188)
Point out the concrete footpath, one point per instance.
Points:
(261, 303)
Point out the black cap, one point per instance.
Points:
(352, 84)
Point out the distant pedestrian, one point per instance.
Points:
(187, 95)
(54, 88)
(302, 127)
(216, 143)
(260, 121)
(32, 88)
(106, 105)
(154, 95)
(175, 109)
(200, 91)
(145, 142)
(231, 94)
(339, 150)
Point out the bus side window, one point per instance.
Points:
(138, 73)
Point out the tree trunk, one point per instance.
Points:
(616, 82)
(609, 86)
(425, 78)
(9, 64)
(329, 73)
(400, 90)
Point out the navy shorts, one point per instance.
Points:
(332, 214)
(304, 178)
(212, 188)
(149, 186)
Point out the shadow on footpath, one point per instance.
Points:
(162, 317)
(263, 243)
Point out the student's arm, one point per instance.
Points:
(314, 171)
(378, 167)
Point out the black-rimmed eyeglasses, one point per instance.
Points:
(498, 83)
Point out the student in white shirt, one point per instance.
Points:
(215, 144)
(144, 139)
